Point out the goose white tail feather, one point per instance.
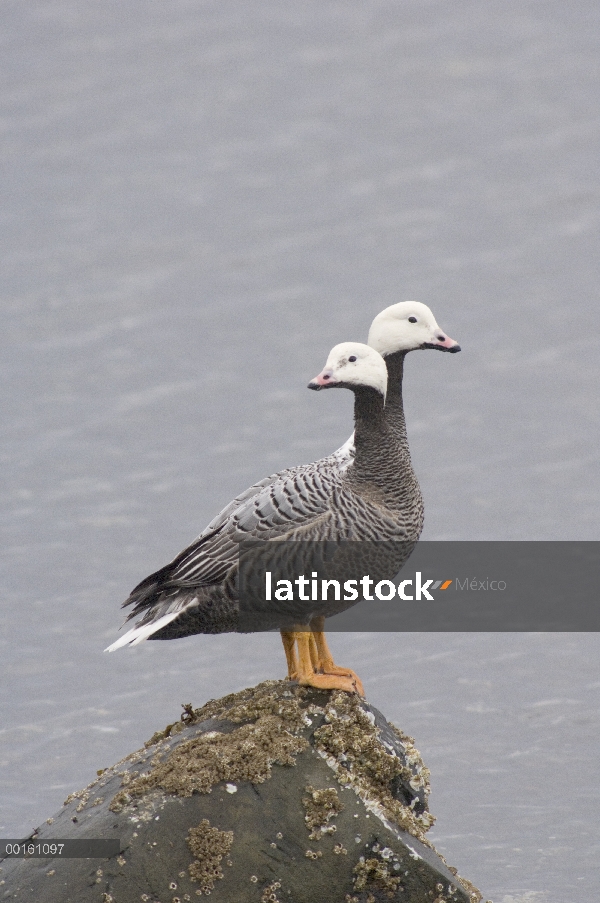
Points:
(139, 634)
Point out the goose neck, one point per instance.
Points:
(369, 415)
(371, 434)
(394, 406)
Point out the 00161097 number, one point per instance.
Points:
(30, 848)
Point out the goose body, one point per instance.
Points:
(367, 489)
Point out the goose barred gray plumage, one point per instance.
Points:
(196, 592)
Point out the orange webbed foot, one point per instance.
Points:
(331, 682)
(343, 672)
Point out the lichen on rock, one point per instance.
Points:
(320, 807)
(208, 846)
(270, 723)
(245, 706)
(375, 874)
(350, 742)
(196, 765)
(269, 894)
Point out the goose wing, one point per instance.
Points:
(338, 460)
(293, 500)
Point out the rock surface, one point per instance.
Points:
(276, 794)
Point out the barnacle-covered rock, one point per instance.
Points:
(277, 793)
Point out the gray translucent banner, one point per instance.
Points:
(427, 586)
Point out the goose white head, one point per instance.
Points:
(352, 365)
(406, 327)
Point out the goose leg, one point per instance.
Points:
(325, 663)
(314, 653)
(307, 677)
(288, 638)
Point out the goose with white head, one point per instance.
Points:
(407, 326)
(398, 329)
(197, 591)
(352, 365)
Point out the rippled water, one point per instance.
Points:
(200, 200)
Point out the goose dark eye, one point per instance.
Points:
(352, 358)
(412, 319)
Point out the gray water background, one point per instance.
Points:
(200, 199)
